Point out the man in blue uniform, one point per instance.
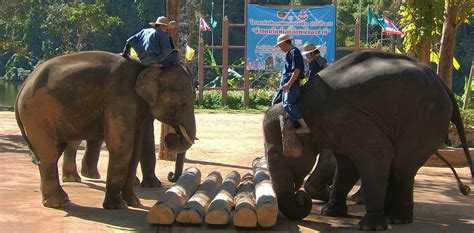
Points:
(153, 45)
(289, 90)
(316, 63)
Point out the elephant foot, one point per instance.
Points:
(151, 182)
(90, 173)
(55, 200)
(71, 177)
(334, 210)
(358, 197)
(400, 217)
(373, 222)
(114, 202)
(322, 194)
(131, 200)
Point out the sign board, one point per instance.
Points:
(316, 25)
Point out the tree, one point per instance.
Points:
(421, 22)
(456, 12)
(75, 21)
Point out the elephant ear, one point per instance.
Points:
(149, 83)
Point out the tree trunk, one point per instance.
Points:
(220, 209)
(448, 41)
(172, 12)
(421, 52)
(245, 214)
(267, 204)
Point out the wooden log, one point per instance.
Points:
(220, 209)
(267, 204)
(169, 204)
(195, 209)
(245, 214)
(164, 154)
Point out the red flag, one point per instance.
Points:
(203, 25)
(390, 27)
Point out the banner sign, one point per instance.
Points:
(316, 25)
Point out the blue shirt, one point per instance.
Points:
(316, 65)
(151, 40)
(293, 60)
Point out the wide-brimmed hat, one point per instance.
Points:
(282, 38)
(162, 20)
(308, 48)
(173, 24)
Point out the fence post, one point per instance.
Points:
(225, 60)
(357, 36)
(200, 71)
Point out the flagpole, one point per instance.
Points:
(212, 29)
(381, 36)
(367, 38)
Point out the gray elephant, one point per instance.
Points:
(382, 115)
(100, 95)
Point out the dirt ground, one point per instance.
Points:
(227, 142)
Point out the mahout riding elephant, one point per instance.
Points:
(100, 95)
(382, 115)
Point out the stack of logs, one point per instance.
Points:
(246, 202)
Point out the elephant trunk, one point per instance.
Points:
(295, 206)
(178, 169)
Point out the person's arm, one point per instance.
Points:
(166, 50)
(294, 77)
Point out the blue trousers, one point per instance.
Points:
(289, 101)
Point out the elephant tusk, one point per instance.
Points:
(185, 134)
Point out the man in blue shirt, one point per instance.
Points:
(316, 63)
(289, 90)
(153, 45)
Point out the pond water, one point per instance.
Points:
(8, 92)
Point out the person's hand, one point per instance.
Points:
(286, 87)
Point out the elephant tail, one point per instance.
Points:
(34, 158)
(462, 187)
(457, 120)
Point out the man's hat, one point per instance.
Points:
(173, 24)
(282, 38)
(162, 20)
(308, 48)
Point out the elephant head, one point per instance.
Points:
(287, 172)
(170, 95)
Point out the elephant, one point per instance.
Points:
(382, 115)
(100, 95)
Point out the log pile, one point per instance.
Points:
(248, 202)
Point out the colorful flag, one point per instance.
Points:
(390, 27)
(213, 17)
(203, 25)
(189, 53)
(372, 19)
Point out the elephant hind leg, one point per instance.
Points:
(91, 159)
(69, 162)
(53, 194)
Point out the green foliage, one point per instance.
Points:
(421, 20)
(468, 117)
(258, 99)
(18, 68)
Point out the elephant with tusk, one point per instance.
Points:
(99, 95)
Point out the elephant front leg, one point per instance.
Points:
(69, 162)
(91, 159)
(345, 178)
(318, 183)
(148, 157)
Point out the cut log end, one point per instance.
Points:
(217, 217)
(189, 216)
(160, 214)
(245, 218)
(267, 215)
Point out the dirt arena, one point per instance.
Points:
(226, 142)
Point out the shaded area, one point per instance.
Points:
(216, 164)
(13, 144)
